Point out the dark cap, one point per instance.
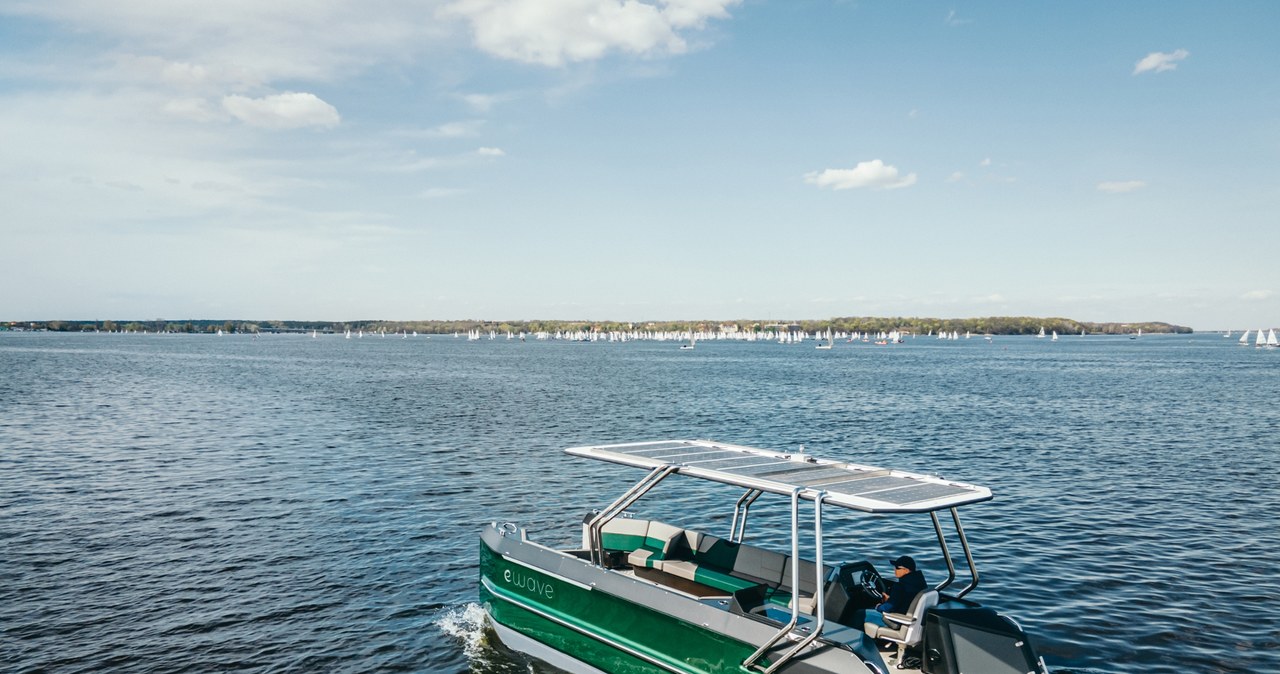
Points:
(905, 562)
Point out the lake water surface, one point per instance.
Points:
(175, 503)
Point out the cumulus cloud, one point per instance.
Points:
(1121, 186)
(1159, 62)
(290, 110)
(874, 174)
(556, 32)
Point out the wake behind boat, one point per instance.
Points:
(641, 595)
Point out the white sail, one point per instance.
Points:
(1041, 335)
(1244, 339)
(1055, 336)
(1262, 339)
(1271, 338)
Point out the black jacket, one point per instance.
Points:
(903, 591)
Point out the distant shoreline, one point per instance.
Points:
(990, 325)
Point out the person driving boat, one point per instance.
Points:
(910, 583)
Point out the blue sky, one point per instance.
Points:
(599, 159)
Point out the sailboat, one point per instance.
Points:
(1041, 335)
(830, 342)
(1261, 340)
(693, 339)
(1244, 339)
(1055, 336)
(1271, 339)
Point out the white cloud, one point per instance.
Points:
(874, 174)
(1121, 186)
(440, 192)
(253, 42)
(290, 110)
(955, 177)
(556, 32)
(985, 162)
(1160, 61)
(1257, 295)
(482, 103)
(192, 109)
(491, 152)
(455, 129)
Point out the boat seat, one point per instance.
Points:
(706, 575)
(708, 560)
(645, 543)
(904, 629)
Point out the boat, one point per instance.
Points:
(1054, 338)
(1244, 339)
(1271, 338)
(831, 341)
(693, 339)
(1041, 335)
(1261, 340)
(638, 594)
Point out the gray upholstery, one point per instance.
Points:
(904, 629)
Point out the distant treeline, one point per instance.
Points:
(991, 325)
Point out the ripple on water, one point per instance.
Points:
(188, 503)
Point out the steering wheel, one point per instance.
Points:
(872, 585)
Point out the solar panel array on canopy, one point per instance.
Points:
(850, 485)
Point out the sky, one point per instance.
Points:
(640, 160)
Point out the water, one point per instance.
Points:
(285, 504)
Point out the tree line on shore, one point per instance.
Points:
(990, 325)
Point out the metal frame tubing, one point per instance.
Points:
(795, 583)
(946, 553)
(631, 496)
(816, 631)
(738, 529)
(968, 555)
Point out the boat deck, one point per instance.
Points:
(715, 598)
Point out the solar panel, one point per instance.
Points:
(845, 484)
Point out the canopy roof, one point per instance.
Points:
(866, 488)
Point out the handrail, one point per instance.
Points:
(968, 555)
(795, 583)
(820, 580)
(946, 554)
(631, 496)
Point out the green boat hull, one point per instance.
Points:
(597, 628)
